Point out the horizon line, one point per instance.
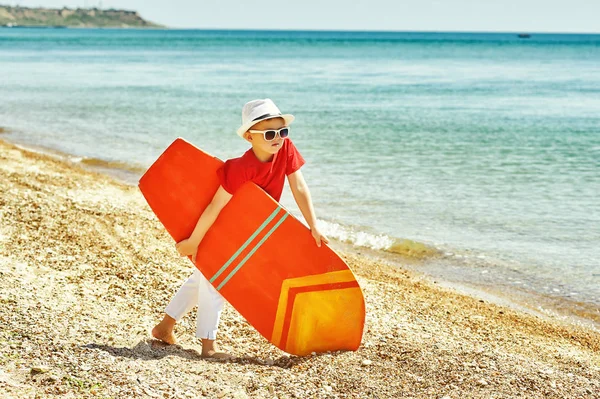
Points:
(384, 31)
(315, 30)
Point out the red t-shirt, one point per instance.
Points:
(270, 176)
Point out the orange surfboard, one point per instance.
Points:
(265, 263)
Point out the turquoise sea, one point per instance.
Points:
(482, 148)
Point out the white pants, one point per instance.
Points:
(198, 291)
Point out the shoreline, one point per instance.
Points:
(528, 301)
(87, 270)
(531, 301)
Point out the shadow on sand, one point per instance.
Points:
(152, 349)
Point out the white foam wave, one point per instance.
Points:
(352, 236)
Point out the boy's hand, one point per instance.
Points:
(187, 248)
(319, 237)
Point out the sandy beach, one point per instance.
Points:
(86, 271)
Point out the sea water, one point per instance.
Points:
(479, 150)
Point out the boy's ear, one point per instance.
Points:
(248, 136)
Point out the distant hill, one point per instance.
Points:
(66, 17)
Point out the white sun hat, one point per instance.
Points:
(259, 110)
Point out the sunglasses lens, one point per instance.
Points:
(283, 133)
(270, 135)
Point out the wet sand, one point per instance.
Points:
(87, 271)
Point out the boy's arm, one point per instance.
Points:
(304, 201)
(189, 246)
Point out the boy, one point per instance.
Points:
(272, 157)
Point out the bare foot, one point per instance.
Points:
(210, 350)
(164, 336)
(163, 331)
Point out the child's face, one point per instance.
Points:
(258, 139)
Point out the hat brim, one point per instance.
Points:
(288, 118)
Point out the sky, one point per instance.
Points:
(381, 15)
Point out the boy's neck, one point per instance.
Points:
(262, 156)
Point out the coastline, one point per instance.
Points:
(426, 261)
(87, 270)
(533, 303)
(33, 17)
